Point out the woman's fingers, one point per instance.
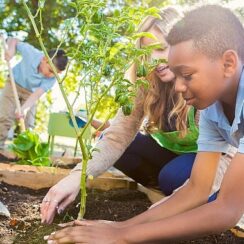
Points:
(49, 206)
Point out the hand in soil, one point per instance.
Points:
(89, 232)
(89, 222)
(59, 197)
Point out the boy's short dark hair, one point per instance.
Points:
(213, 29)
(60, 60)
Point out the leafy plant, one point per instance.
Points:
(103, 48)
(30, 150)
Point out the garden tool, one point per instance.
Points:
(80, 117)
(16, 97)
(3, 210)
(80, 122)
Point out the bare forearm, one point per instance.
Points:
(191, 195)
(207, 219)
(32, 99)
(11, 47)
(213, 217)
(184, 199)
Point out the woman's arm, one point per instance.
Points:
(114, 142)
(116, 138)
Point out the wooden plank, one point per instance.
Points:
(31, 176)
(152, 194)
(107, 183)
(35, 177)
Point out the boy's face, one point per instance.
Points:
(200, 79)
(46, 69)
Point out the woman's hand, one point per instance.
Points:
(60, 196)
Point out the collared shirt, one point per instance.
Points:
(215, 131)
(26, 71)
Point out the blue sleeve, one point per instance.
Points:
(241, 142)
(210, 139)
(241, 146)
(26, 50)
(47, 84)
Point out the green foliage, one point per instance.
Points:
(2, 80)
(13, 19)
(100, 42)
(2, 68)
(42, 113)
(30, 150)
(102, 49)
(106, 108)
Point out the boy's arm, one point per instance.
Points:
(191, 195)
(213, 217)
(11, 48)
(30, 102)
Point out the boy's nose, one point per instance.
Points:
(180, 85)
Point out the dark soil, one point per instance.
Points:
(24, 226)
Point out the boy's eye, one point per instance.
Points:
(187, 77)
(160, 49)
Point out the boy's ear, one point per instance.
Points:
(230, 62)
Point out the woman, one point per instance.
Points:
(163, 158)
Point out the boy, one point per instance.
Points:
(33, 77)
(207, 58)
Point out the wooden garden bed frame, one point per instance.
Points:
(39, 177)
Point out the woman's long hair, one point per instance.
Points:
(164, 109)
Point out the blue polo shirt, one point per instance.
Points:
(215, 131)
(26, 71)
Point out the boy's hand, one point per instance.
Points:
(81, 232)
(20, 115)
(7, 56)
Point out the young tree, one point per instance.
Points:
(102, 50)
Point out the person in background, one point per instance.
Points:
(33, 77)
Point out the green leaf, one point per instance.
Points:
(141, 70)
(41, 3)
(115, 49)
(72, 4)
(28, 147)
(127, 109)
(144, 34)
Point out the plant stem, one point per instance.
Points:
(85, 154)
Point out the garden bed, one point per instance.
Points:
(111, 203)
(39, 177)
(23, 203)
(120, 204)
